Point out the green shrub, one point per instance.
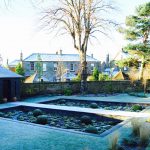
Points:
(37, 112)
(86, 120)
(78, 78)
(137, 107)
(91, 129)
(33, 119)
(96, 74)
(1, 114)
(90, 78)
(42, 119)
(93, 105)
(67, 92)
(62, 101)
(103, 77)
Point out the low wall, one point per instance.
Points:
(30, 89)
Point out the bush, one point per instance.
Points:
(93, 105)
(67, 92)
(37, 112)
(63, 101)
(86, 120)
(137, 107)
(42, 119)
(91, 129)
(103, 77)
(96, 74)
(78, 78)
(1, 114)
(90, 78)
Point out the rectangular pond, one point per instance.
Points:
(63, 119)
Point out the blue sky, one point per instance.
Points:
(19, 31)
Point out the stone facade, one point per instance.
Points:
(49, 63)
(31, 89)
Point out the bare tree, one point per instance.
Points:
(61, 69)
(81, 19)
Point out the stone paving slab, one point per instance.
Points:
(89, 110)
(19, 136)
(112, 98)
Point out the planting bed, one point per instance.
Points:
(98, 104)
(69, 120)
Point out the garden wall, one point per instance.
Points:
(30, 89)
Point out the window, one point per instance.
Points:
(55, 66)
(32, 65)
(44, 67)
(92, 67)
(71, 67)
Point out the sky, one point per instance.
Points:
(20, 32)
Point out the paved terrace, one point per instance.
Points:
(18, 135)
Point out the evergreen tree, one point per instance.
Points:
(39, 67)
(137, 32)
(20, 70)
(96, 74)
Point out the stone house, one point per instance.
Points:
(52, 63)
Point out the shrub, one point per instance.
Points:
(144, 134)
(96, 74)
(1, 114)
(33, 119)
(90, 78)
(63, 101)
(91, 129)
(136, 107)
(93, 105)
(42, 119)
(113, 142)
(103, 77)
(78, 78)
(136, 124)
(67, 92)
(86, 120)
(37, 112)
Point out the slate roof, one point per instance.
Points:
(14, 63)
(57, 57)
(5, 73)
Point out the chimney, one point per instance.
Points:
(7, 62)
(92, 55)
(21, 56)
(60, 52)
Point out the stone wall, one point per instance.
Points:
(30, 89)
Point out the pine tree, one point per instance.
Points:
(96, 74)
(137, 32)
(20, 70)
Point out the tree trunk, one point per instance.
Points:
(83, 88)
(141, 69)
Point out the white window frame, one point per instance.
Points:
(55, 66)
(32, 66)
(92, 66)
(71, 67)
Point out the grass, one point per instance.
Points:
(136, 124)
(113, 141)
(144, 134)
